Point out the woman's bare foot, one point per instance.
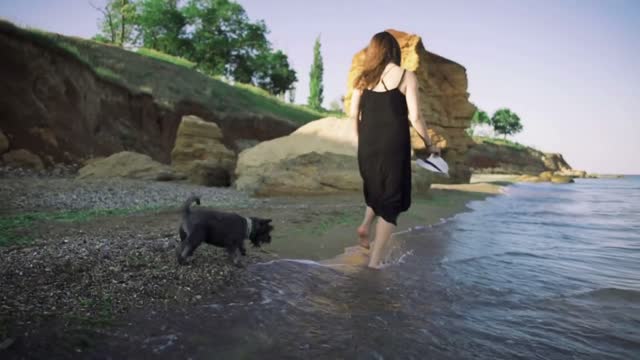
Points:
(363, 235)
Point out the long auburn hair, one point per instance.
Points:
(382, 50)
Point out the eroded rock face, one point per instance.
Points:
(318, 158)
(200, 154)
(57, 108)
(4, 143)
(443, 100)
(127, 164)
(22, 158)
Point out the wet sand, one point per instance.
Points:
(324, 228)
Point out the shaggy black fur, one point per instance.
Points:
(220, 229)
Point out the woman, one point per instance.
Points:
(384, 100)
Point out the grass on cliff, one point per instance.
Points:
(169, 79)
(167, 58)
(501, 142)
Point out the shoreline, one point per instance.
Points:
(80, 274)
(443, 202)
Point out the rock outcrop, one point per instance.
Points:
(572, 173)
(559, 179)
(129, 165)
(556, 162)
(491, 156)
(200, 154)
(22, 158)
(318, 158)
(444, 100)
(546, 176)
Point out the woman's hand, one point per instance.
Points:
(433, 150)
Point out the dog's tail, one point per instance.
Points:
(186, 207)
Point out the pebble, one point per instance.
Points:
(25, 193)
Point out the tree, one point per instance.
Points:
(479, 119)
(273, 72)
(117, 26)
(162, 26)
(315, 78)
(506, 122)
(217, 35)
(292, 93)
(224, 41)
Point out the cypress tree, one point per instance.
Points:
(315, 78)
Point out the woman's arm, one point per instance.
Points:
(354, 111)
(415, 116)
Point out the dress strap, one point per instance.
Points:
(401, 77)
(383, 84)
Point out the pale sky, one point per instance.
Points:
(567, 68)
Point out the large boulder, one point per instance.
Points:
(127, 164)
(4, 143)
(444, 100)
(200, 154)
(318, 158)
(304, 174)
(22, 158)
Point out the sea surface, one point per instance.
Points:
(542, 272)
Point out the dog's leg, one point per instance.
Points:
(191, 243)
(233, 256)
(183, 234)
(243, 250)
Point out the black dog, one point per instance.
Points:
(220, 229)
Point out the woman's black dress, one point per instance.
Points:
(384, 152)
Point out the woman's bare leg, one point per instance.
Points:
(383, 234)
(365, 228)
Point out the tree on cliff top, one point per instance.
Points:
(273, 72)
(480, 117)
(118, 25)
(161, 25)
(479, 120)
(316, 88)
(506, 122)
(216, 35)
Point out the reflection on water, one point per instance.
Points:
(549, 272)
